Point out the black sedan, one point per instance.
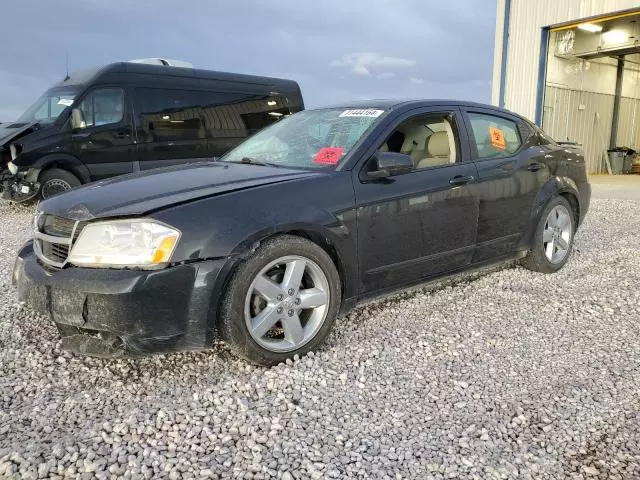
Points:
(265, 247)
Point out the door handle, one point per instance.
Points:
(121, 135)
(535, 166)
(83, 136)
(461, 179)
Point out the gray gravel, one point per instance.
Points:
(512, 374)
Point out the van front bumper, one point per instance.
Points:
(17, 188)
(110, 313)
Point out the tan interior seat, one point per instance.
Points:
(415, 140)
(425, 147)
(438, 151)
(441, 149)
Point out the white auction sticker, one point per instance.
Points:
(367, 112)
(67, 102)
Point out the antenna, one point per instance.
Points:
(67, 77)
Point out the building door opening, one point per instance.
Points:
(592, 89)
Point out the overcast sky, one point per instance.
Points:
(336, 49)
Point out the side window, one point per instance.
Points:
(430, 140)
(169, 115)
(495, 137)
(235, 114)
(103, 106)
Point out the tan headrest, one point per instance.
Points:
(438, 145)
(414, 137)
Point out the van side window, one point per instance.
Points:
(168, 115)
(495, 136)
(231, 114)
(103, 106)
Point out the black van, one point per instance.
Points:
(132, 116)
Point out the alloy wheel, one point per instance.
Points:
(556, 236)
(287, 303)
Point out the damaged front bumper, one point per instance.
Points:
(113, 313)
(18, 188)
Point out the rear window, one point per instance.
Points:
(495, 136)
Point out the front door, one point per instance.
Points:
(511, 171)
(423, 223)
(106, 143)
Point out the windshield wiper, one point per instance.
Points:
(253, 161)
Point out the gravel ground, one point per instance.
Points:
(510, 374)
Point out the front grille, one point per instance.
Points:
(54, 238)
(56, 252)
(58, 226)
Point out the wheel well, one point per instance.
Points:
(62, 166)
(326, 245)
(575, 206)
(314, 237)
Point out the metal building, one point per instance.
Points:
(573, 66)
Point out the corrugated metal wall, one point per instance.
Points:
(629, 125)
(527, 19)
(591, 126)
(564, 120)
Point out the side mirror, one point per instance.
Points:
(389, 164)
(77, 119)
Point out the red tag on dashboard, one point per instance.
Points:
(328, 155)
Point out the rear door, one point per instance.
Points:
(511, 171)
(170, 127)
(423, 223)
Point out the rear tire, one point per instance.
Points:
(55, 181)
(553, 239)
(281, 301)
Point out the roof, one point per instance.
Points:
(389, 104)
(87, 75)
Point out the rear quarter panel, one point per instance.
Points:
(568, 177)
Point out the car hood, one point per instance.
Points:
(11, 130)
(141, 193)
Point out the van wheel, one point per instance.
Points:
(55, 181)
(281, 301)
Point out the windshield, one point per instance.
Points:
(308, 139)
(50, 105)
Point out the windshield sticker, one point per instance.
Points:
(328, 155)
(368, 112)
(67, 102)
(497, 138)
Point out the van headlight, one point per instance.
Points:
(13, 168)
(136, 243)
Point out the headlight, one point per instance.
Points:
(13, 168)
(124, 243)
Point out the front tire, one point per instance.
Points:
(55, 181)
(280, 302)
(553, 239)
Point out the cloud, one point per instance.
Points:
(305, 39)
(363, 63)
(416, 80)
(360, 70)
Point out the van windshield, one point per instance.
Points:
(308, 139)
(50, 105)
